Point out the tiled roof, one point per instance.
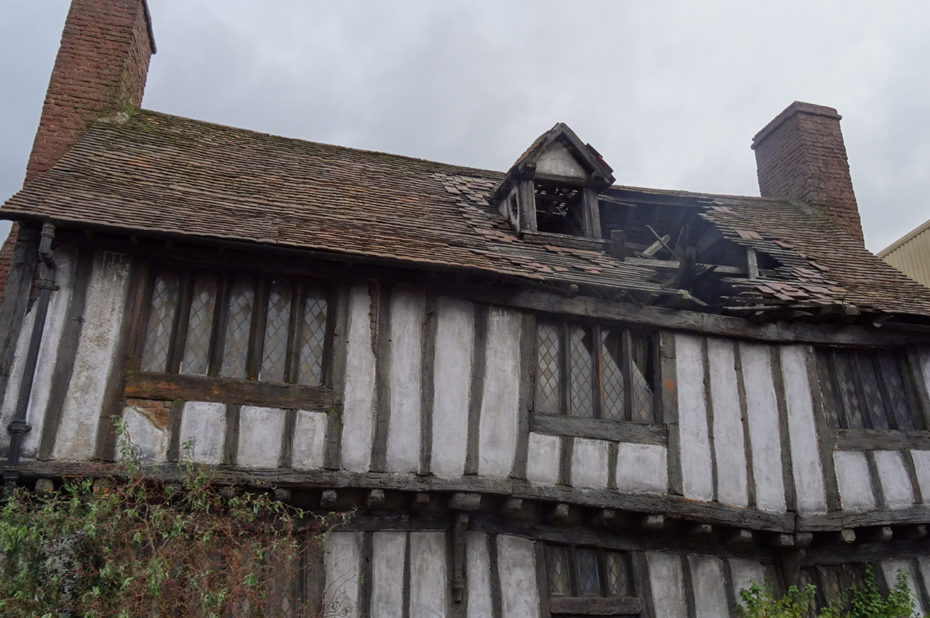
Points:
(164, 174)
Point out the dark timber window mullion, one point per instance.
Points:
(136, 357)
(565, 360)
(573, 570)
(602, 572)
(858, 380)
(656, 352)
(257, 332)
(332, 300)
(220, 317)
(842, 415)
(901, 418)
(597, 380)
(293, 332)
(179, 328)
(626, 356)
(891, 415)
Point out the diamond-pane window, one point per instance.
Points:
(582, 372)
(312, 338)
(277, 323)
(238, 328)
(588, 572)
(607, 378)
(560, 579)
(548, 368)
(868, 389)
(158, 332)
(589, 580)
(196, 359)
(618, 576)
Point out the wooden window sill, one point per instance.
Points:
(615, 431)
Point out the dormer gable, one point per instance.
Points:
(553, 186)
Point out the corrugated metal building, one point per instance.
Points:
(911, 254)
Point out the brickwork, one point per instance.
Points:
(101, 68)
(801, 155)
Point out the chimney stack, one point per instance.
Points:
(101, 68)
(800, 155)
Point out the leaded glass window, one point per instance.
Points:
(868, 389)
(236, 326)
(575, 571)
(594, 371)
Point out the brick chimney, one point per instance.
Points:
(101, 68)
(800, 155)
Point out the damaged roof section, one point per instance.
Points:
(160, 174)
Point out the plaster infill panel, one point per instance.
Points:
(387, 571)
(745, 573)
(922, 469)
(890, 570)
(666, 581)
(642, 468)
(455, 338)
(342, 558)
(309, 440)
(806, 468)
(103, 319)
(855, 482)
(49, 350)
(497, 439)
(895, 481)
(478, 574)
(261, 431)
(710, 595)
(764, 427)
(516, 565)
(589, 463)
(403, 439)
(203, 427)
(542, 458)
(427, 574)
(146, 428)
(729, 442)
(696, 470)
(358, 410)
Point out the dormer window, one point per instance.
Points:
(553, 187)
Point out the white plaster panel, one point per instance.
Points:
(764, 427)
(589, 463)
(427, 574)
(642, 468)
(710, 595)
(358, 406)
(896, 484)
(455, 334)
(922, 468)
(559, 161)
(403, 439)
(516, 564)
(203, 425)
(309, 440)
(666, 583)
(103, 319)
(542, 458)
(387, 572)
(802, 432)
(745, 573)
(696, 473)
(729, 442)
(341, 562)
(261, 431)
(890, 570)
(497, 439)
(852, 475)
(49, 350)
(478, 574)
(150, 439)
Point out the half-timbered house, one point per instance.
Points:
(545, 393)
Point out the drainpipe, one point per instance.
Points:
(18, 426)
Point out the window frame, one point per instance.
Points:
(249, 389)
(562, 422)
(601, 603)
(833, 403)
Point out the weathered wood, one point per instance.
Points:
(542, 578)
(495, 577)
(16, 294)
(688, 581)
(427, 383)
(328, 498)
(908, 459)
(617, 247)
(525, 397)
(752, 263)
(228, 390)
(566, 451)
(375, 499)
(337, 375)
(381, 298)
(174, 431)
(458, 553)
(787, 465)
(478, 369)
(668, 386)
(709, 408)
(613, 449)
(559, 513)
(744, 418)
(465, 501)
(595, 606)
(599, 429)
(366, 572)
(877, 490)
(231, 441)
(879, 439)
(67, 353)
(831, 487)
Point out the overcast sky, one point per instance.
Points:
(670, 93)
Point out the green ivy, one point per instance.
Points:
(860, 601)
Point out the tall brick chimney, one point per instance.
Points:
(101, 67)
(800, 155)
